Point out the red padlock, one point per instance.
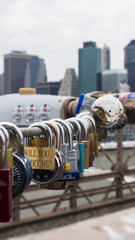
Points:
(5, 183)
(91, 158)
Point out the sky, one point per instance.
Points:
(55, 30)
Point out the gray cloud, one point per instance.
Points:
(55, 29)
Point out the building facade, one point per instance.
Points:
(35, 72)
(129, 63)
(105, 58)
(69, 85)
(15, 64)
(51, 88)
(115, 81)
(89, 67)
(1, 84)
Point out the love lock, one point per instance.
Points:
(22, 169)
(112, 109)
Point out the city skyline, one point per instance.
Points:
(55, 30)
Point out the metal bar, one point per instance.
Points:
(107, 156)
(131, 153)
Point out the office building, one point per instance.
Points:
(51, 88)
(14, 70)
(89, 67)
(105, 58)
(35, 72)
(69, 85)
(115, 81)
(129, 63)
(1, 84)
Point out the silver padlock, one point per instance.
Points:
(63, 147)
(73, 153)
(58, 153)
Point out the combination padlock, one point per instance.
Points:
(5, 183)
(22, 169)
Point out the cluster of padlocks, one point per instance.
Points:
(58, 155)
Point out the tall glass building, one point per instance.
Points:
(35, 72)
(14, 70)
(105, 58)
(89, 67)
(130, 64)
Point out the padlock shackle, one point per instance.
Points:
(68, 129)
(57, 132)
(18, 134)
(6, 133)
(91, 120)
(62, 135)
(83, 128)
(46, 131)
(3, 161)
(75, 123)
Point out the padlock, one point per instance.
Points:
(42, 176)
(54, 185)
(73, 154)
(9, 151)
(63, 146)
(84, 140)
(22, 169)
(5, 183)
(93, 135)
(79, 145)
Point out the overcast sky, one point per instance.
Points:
(55, 30)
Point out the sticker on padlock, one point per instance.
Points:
(22, 169)
(5, 183)
(70, 176)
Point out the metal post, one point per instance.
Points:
(119, 191)
(73, 199)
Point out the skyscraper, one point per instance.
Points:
(129, 63)
(115, 80)
(69, 85)
(89, 67)
(35, 72)
(105, 58)
(14, 70)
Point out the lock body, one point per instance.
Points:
(5, 194)
(22, 173)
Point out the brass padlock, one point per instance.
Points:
(93, 135)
